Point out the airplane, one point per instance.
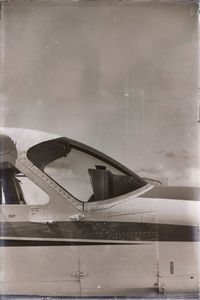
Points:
(75, 222)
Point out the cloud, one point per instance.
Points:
(187, 157)
(185, 177)
(170, 155)
(183, 154)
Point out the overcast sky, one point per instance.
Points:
(121, 78)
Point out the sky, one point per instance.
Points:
(122, 78)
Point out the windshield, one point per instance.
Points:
(84, 172)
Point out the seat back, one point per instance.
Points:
(8, 183)
(101, 183)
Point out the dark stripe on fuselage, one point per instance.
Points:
(33, 243)
(91, 230)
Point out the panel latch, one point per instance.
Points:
(79, 274)
(78, 217)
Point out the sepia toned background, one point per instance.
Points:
(119, 76)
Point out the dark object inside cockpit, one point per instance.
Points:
(107, 185)
(11, 192)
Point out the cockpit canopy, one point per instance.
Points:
(86, 173)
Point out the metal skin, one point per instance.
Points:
(139, 243)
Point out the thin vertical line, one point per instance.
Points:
(126, 123)
(198, 64)
(2, 57)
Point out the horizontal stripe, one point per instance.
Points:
(42, 243)
(73, 240)
(113, 231)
